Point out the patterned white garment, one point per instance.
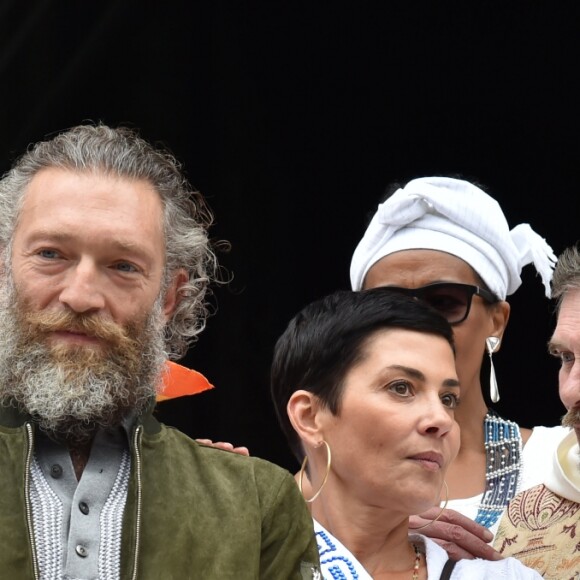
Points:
(336, 562)
(47, 521)
(112, 523)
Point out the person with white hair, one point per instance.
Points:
(447, 242)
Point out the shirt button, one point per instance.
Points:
(82, 551)
(56, 471)
(84, 507)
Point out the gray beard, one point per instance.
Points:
(73, 393)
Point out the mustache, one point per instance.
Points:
(66, 321)
(571, 418)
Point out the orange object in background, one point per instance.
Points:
(179, 381)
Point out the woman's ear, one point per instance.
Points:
(303, 409)
(500, 317)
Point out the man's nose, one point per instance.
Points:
(570, 386)
(83, 289)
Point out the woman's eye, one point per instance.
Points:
(400, 388)
(445, 303)
(450, 400)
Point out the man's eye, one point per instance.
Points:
(564, 356)
(49, 254)
(126, 267)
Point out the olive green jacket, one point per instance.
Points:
(191, 511)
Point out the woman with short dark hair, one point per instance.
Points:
(365, 388)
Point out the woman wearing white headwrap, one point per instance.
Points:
(446, 241)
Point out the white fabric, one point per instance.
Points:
(473, 569)
(564, 477)
(536, 454)
(336, 561)
(453, 216)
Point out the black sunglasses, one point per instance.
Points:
(451, 299)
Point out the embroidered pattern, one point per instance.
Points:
(335, 565)
(47, 514)
(542, 530)
(111, 522)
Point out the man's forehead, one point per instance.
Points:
(51, 181)
(63, 205)
(567, 329)
(55, 173)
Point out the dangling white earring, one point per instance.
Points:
(492, 344)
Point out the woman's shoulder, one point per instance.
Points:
(487, 570)
(481, 569)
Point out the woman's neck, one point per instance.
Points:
(470, 415)
(466, 475)
(377, 537)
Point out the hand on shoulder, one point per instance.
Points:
(225, 446)
(457, 534)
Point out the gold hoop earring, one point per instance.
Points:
(442, 509)
(302, 469)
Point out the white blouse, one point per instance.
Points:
(336, 561)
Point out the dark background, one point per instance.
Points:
(292, 118)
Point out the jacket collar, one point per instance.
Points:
(13, 417)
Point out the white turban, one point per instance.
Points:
(454, 216)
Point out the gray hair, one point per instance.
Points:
(120, 152)
(566, 274)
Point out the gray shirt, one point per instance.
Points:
(78, 524)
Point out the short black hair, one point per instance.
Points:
(327, 338)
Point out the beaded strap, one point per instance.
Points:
(503, 455)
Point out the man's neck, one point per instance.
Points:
(79, 454)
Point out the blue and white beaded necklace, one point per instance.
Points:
(503, 466)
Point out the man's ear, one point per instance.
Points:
(173, 294)
(304, 411)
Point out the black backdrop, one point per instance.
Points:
(291, 118)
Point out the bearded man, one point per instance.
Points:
(105, 265)
(541, 526)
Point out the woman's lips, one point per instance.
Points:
(430, 460)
